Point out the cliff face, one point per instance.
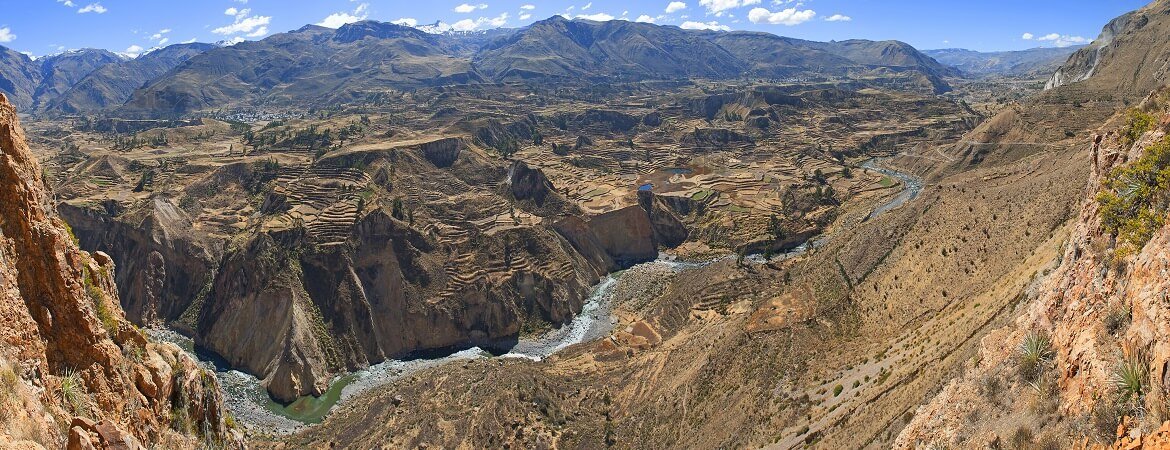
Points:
(75, 371)
(1087, 361)
(1128, 56)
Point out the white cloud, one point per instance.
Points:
(691, 25)
(525, 16)
(1027, 36)
(337, 19)
(133, 50)
(93, 8)
(644, 19)
(231, 11)
(190, 41)
(597, 17)
(472, 25)
(839, 18)
(407, 21)
(675, 7)
(66, 3)
(467, 8)
(465, 25)
(718, 6)
(253, 26)
(528, 7)
(790, 16)
(6, 35)
(587, 6)
(1062, 40)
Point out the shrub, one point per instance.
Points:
(1117, 318)
(73, 395)
(1022, 437)
(1137, 123)
(1034, 354)
(1134, 198)
(107, 318)
(991, 387)
(9, 396)
(1131, 375)
(837, 390)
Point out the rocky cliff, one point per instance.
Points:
(75, 373)
(1128, 56)
(1087, 361)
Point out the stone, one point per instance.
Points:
(79, 439)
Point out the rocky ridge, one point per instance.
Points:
(75, 373)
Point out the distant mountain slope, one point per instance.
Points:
(61, 72)
(771, 55)
(1036, 61)
(1130, 54)
(112, 85)
(884, 53)
(560, 48)
(19, 77)
(310, 64)
(29, 82)
(316, 64)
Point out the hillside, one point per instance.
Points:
(34, 83)
(1032, 62)
(1128, 55)
(111, 85)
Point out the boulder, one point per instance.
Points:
(528, 183)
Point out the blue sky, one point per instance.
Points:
(41, 27)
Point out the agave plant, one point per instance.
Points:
(1131, 376)
(73, 394)
(1034, 353)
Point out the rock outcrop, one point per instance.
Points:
(528, 183)
(66, 350)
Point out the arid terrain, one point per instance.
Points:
(558, 237)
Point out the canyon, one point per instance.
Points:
(583, 234)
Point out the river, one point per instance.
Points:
(254, 409)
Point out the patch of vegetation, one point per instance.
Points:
(837, 390)
(990, 386)
(133, 352)
(1117, 318)
(108, 319)
(9, 397)
(72, 235)
(1137, 123)
(1131, 377)
(73, 395)
(1034, 355)
(1135, 198)
(702, 195)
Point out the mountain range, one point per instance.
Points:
(86, 80)
(318, 64)
(1041, 61)
(322, 64)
